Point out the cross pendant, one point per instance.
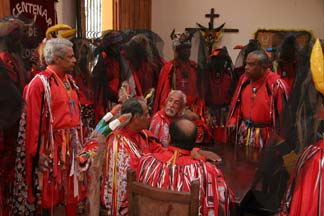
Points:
(72, 106)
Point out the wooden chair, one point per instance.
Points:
(144, 200)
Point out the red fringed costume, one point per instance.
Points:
(50, 125)
(305, 193)
(86, 95)
(15, 71)
(287, 72)
(123, 150)
(160, 127)
(175, 169)
(8, 136)
(255, 108)
(218, 97)
(144, 79)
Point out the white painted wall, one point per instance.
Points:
(246, 15)
(65, 10)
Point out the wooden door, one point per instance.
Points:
(132, 14)
(4, 8)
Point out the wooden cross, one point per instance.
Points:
(211, 17)
(211, 30)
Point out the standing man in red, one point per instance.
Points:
(181, 74)
(258, 100)
(50, 137)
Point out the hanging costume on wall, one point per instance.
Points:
(285, 65)
(11, 99)
(145, 64)
(13, 79)
(219, 92)
(108, 74)
(83, 77)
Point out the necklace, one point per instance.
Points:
(66, 84)
(255, 88)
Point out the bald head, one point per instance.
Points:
(183, 133)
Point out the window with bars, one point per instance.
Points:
(93, 18)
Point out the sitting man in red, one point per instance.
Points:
(161, 120)
(181, 74)
(258, 100)
(120, 151)
(175, 169)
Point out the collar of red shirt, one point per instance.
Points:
(54, 70)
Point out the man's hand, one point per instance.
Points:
(194, 154)
(124, 92)
(211, 156)
(44, 162)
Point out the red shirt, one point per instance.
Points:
(256, 106)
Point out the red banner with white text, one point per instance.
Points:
(41, 13)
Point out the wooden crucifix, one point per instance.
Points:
(211, 34)
(211, 17)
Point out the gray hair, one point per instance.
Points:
(261, 56)
(183, 96)
(56, 47)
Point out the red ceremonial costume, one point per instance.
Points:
(107, 92)
(182, 75)
(50, 125)
(142, 79)
(14, 69)
(218, 92)
(8, 136)
(87, 104)
(255, 108)
(11, 100)
(160, 127)
(218, 98)
(286, 71)
(304, 194)
(175, 169)
(179, 75)
(124, 148)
